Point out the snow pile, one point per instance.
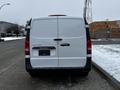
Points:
(108, 58)
(12, 38)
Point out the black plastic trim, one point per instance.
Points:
(28, 65)
(87, 67)
(45, 47)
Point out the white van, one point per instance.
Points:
(58, 43)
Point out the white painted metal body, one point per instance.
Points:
(73, 34)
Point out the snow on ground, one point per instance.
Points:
(12, 38)
(108, 58)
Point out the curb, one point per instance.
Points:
(112, 80)
(105, 42)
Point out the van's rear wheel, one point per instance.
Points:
(84, 74)
(32, 73)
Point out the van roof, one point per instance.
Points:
(54, 17)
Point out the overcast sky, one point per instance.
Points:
(21, 10)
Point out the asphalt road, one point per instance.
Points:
(14, 77)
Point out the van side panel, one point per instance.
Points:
(73, 32)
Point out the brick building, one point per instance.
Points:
(105, 29)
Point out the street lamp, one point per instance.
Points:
(4, 5)
(0, 9)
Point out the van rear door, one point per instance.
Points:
(72, 48)
(43, 48)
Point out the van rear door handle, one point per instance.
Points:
(58, 39)
(65, 44)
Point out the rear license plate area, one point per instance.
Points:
(44, 52)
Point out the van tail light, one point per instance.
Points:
(89, 48)
(89, 44)
(27, 47)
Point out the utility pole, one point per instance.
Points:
(108, 29)
(0, 9)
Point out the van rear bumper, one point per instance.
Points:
(87, 67)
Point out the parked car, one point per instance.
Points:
(1, 40)
(57, 43)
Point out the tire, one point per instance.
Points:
(84, 74)
(1, 40)
(32, 74)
